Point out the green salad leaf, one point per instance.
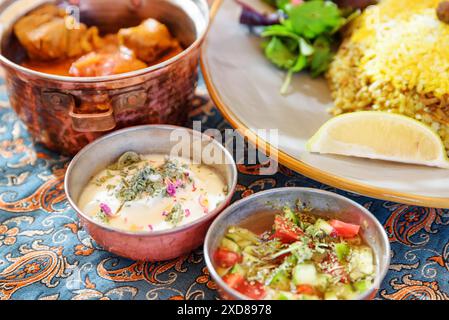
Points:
(303, 39)
(313, 18)
(322, 56)
(279, 54)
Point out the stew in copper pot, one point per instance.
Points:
(54, 47)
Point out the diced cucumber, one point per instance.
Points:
(280, 281)
(305, 273)
(323, 281)
(346, 292)
(234, 237)
(309, 297)
(284, 295)
(330, 295)
(241, 234)
(342, 251)
(290, 215)
(340, 291)
(362, 285)
(249, 258)
(324, 226)
(361, 262)
(230, 245)
(290, 260)
(237, 268)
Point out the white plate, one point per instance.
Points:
(245, 87)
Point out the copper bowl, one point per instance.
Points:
(256, 213)
(50, 105)
(158, 139)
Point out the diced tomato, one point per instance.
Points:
(254, 290)
(285, 236)
(285, 230)
(234, 280)
(306, 289)
(343, 229)
(226, 258)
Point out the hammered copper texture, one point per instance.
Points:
(169, 93)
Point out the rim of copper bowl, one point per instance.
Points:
(181, 228)
(229, 210)
(199, 39)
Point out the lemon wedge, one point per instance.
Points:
(380, 135)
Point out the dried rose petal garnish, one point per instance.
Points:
(106, 209)
(171, 189)
(187, 211)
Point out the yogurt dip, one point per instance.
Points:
(152, 192)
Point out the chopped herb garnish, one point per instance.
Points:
(148, 180)
(175, 215)
(101, 217)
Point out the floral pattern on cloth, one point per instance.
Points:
(45, 254)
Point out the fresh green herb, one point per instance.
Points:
(176, 215)
(314, 18)
(323, 56)
(303, 40)
(279, 54)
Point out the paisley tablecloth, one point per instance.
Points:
(45, 254)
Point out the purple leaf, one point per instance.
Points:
(252, 17)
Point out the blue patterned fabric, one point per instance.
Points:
(44, 254)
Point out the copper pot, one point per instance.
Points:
(50, 105)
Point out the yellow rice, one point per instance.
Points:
(395, 57)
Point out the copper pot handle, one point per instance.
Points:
(93, 121)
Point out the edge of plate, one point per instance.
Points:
(301, 167)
